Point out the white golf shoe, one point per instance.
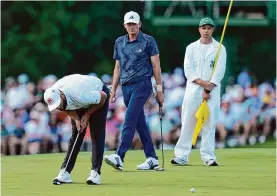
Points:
(179, 161)
(149, 164)
(114, 160)
(63, 177)
(94, 178)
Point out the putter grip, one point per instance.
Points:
(160, 111)
(160, 105)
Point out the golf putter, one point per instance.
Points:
(57, 182)
(161, 121)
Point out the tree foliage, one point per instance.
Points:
(57, 37)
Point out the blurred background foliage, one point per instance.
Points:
(60, 37)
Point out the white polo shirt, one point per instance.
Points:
(80, 90)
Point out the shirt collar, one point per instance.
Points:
(214, 42)
(139, 37)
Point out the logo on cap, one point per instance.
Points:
(50, 101)
(131, 17)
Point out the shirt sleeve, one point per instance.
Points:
(115, 53)
(152, 47)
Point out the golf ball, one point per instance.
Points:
(192, 190)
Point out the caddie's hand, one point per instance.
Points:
(78, 125)
(160, 97)
(112, 97)
(84, 122)
(207, 85)
(206, 96)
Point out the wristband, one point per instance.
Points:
(207, 91)
(159, 88)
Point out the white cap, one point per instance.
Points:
(52, 98)
(131, 17)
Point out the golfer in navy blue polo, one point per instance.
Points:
(136, 61)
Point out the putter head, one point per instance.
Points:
(160, 169)
(56, 182)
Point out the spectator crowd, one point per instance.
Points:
(247, 115)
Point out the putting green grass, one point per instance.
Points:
(242, 172)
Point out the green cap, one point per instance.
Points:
(206, 21)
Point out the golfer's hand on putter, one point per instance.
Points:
(78, 125)
(160, 98)
(84, 122)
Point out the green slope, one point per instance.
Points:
(241, 172)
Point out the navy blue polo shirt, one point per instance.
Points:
(134, 57)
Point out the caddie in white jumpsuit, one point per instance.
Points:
(198, 66)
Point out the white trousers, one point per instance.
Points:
(184, 144)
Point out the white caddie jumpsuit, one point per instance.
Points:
(198, 64)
